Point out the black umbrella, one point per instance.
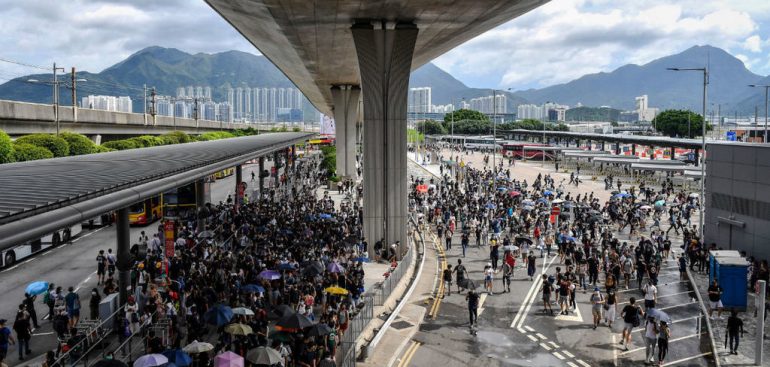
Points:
(522, 239)
(293, 322)
(206, 234)
(312, 269)
(319, 330)
(283, 310)
(109, 363)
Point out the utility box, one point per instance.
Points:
(731, 274)
(107, 307)
(715, 254)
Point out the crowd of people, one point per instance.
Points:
(286, 252)
(513, 220)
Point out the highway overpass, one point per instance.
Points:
(337, 52)
(21, 118)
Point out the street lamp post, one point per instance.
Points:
(766, 88)
(703, 148)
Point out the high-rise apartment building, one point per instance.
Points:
(107, 103)
(420, 100)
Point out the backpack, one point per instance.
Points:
(636, 319)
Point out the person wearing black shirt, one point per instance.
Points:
(473, 304)
(715, 299)
(632, 316)
(734, 325)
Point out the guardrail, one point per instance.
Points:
(704, 317)
(92, 338)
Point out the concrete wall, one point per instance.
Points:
(17, 118)
(738, 188)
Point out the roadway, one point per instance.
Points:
(74, 264)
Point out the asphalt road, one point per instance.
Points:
(73, 264)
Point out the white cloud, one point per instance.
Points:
(566, 39)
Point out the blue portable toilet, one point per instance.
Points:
(713, 255)
(731, 273)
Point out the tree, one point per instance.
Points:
(58, 146)
(463, 114)
(27, 152)
(329, 162)
(6, 148)
(79, 144)
(431, 127)
(680, 123)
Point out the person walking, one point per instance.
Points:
(72, 304)
(50, 300)
(23, 331)
(460, 274)
(29, 302)
(93, 304)
(631, 315)
(650, 295)
(547, 290)
(507, 274)
(650, 339)
(531, 269)
(473, 305)
(734, 325)
(715, 299)
(664, 333)
(610, 308)
(101, 267)
(489, 274)
(6, 339)
(597, 303)
(447, 277)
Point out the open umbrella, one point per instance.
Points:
(502, 188)
(547, 192)
(693, 195)
(264, 356)
(514, 194)
(206, 234)
(335, 268)
(252, 288)
(270, 275)
(283, 311)
(320, 329)
(286, 266)
(336, 290)
(522, 239)
(422, 188)
(178, 357)
(239, 329)
(218, 315)
(243, 311)
(228, 359)
(542, 200)
(280, 336)
(645, 207)
(293, 323)
(469, 284)
(35, 288)
(490, 206)
(362, 259)
(621, 195)
(109, 363)
(312, 269)
(325, 216)
(528, 202)
(557, 201)
(658, 315)
(198, 347)
(151, 360)
(528, 207)
(569, 238)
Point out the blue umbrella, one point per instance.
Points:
(252, 288)
(502, 188)
(35, 288)
(178, 357)
(528, 202)
(286, 266)
(335, 268)
(325, 216)
(569, 238)
(621, 195)
(362, 259)
(218, 315)
(547, 192)
(659, 315)
(529, 207)
(490, 206)
(270, 275)
(542, 200)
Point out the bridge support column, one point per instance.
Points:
(617, 148)
(261, 178)
(590, 145)
(200, 202)
(97, 139)
(123, 236)
(633, 149)
(276, 159)
(345, 98)
(697, 157)
(238, 180)
(385, 51)
(673, 153)
(652, 152)
(602, 145)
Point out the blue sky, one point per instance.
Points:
(555, 43)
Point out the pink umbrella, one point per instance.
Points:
(228, 359)
(514, 193)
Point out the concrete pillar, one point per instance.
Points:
(673, 153)
(652, 152)
(345, 98)
(697, 157)
(385, 51)
(602, 145)
(617, 148)
(200, 202)
(261, 179)
(123, 236)
(633, 149)
(238, 180)
(276, 158)
(97, 139)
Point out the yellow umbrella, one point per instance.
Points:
(336, 290)
(238, 329)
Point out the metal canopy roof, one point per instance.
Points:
(39, 197)
(660, 141)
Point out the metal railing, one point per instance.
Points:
(704, 319)
(93, 337)
(356, 326)
(381, 292)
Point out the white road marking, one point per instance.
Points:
(84, 236)
(571, 364)
(529, 328)
(521, 330)
(568, 354)
(583, 363)
(545, 346)
(541, 336)
(687, 359)
(532, 337)
(672, 322)
(554, 344)
(577, 317)
(482, 298)
(28, 260)
(530, 299)
(674, 294)
(614, 350)
(42, 334)
(558, 355)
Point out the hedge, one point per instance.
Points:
(215, 136)
(102, 149)
(146, 141)
(121, 144)
(6, 148)
(79, 144)
(58, 146)
(27, 152)
(181, 136)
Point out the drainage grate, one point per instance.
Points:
(401, 325)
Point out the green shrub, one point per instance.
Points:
(6, 148)
(216, 135)
(169, 139)
(121, 144)
(146, 141)
(296, 129)
(27, 152)
(181, 136)
(102, 149)
(58, 146)
(79, 144)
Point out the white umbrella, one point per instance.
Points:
(694, 195)
(198, 347)
(151, 360)
(243, 311)
(557, 201)
(264, 356)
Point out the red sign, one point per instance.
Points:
(168, 232)
(555, 210)
(240, 194)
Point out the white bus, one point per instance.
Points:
(20, 252)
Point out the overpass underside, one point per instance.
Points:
(339, 52)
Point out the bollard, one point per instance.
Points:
(760, 323)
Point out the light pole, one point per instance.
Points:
(55, 83)
(703, 148)
(766, 88)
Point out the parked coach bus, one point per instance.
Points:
(516, 150)
(20, 252)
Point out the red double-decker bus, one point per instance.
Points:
(517, 151)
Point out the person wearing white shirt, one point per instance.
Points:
(650, 295)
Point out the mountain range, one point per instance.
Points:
(169, 68)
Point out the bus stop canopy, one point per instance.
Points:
(541, 148)
(617, 159)
(658, 168)
(39, 197)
